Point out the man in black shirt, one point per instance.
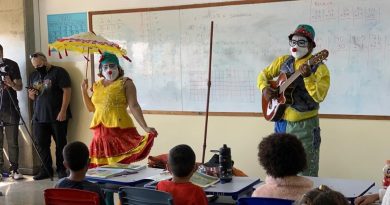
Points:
(9, 118)
(50, 89)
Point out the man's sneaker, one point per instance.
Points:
(16, 175)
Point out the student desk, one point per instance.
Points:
(111, 185)
(133, 179)
(350, 188)
(237, 187)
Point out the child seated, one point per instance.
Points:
(322, 195)
(181, 164)
(76, 159)
(283, 157)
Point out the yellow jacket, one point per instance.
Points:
(317, 84)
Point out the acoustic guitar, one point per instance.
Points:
(273, 109)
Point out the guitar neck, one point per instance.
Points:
(288, 82)
(315, 59)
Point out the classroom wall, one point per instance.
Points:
(350, 148)
(15, 37)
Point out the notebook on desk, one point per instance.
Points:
(132, 167)
(203, 180)
(197, 178)
(103, 173)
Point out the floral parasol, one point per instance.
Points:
(87, 43)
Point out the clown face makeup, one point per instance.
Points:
(110, 71)
(299, 46)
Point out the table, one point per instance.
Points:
(350, 188)
(111, 185)
(237, 187)
(129, 179)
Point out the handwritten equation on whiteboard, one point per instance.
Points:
(63, 25)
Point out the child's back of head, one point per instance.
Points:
(322, 195)
(76, 156)
(282, 155)
(181, 164)
(181, 161)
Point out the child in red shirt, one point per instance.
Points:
(181, 164)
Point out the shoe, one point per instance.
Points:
(16, 175)
(61, 174)
(41, 175)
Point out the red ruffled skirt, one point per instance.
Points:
(116, 145)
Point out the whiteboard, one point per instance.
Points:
(170, 49)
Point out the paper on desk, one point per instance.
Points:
(135, 167)
(160, 177)
(101, 172)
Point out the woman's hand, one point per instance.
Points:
(151, 130)
(84, 85)
(61, 116)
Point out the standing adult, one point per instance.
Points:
(9, 117)
(115, 137)
(311, 88)
(50, 89)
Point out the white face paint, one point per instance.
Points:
(299, 46)
(110, 71)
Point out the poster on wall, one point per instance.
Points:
(63, 25)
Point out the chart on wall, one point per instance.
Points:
(170, 52)
(63, 25)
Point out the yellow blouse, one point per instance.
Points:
(110, 105)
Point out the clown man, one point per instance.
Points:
(311, 88)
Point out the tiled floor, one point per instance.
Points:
(25, 191)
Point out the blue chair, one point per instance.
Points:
(263, 201)
(144, 196)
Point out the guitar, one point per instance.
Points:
(273, 109)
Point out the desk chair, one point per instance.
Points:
(263, 201)
(62, 196)
(143, 196)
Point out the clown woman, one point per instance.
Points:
(115, 138)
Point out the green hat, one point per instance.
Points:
(109, 57)
(304, 30)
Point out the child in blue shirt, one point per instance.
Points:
(76, 159)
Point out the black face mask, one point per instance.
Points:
(42, 70)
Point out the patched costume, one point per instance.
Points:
(301, 118)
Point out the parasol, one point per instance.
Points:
(87, 43)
